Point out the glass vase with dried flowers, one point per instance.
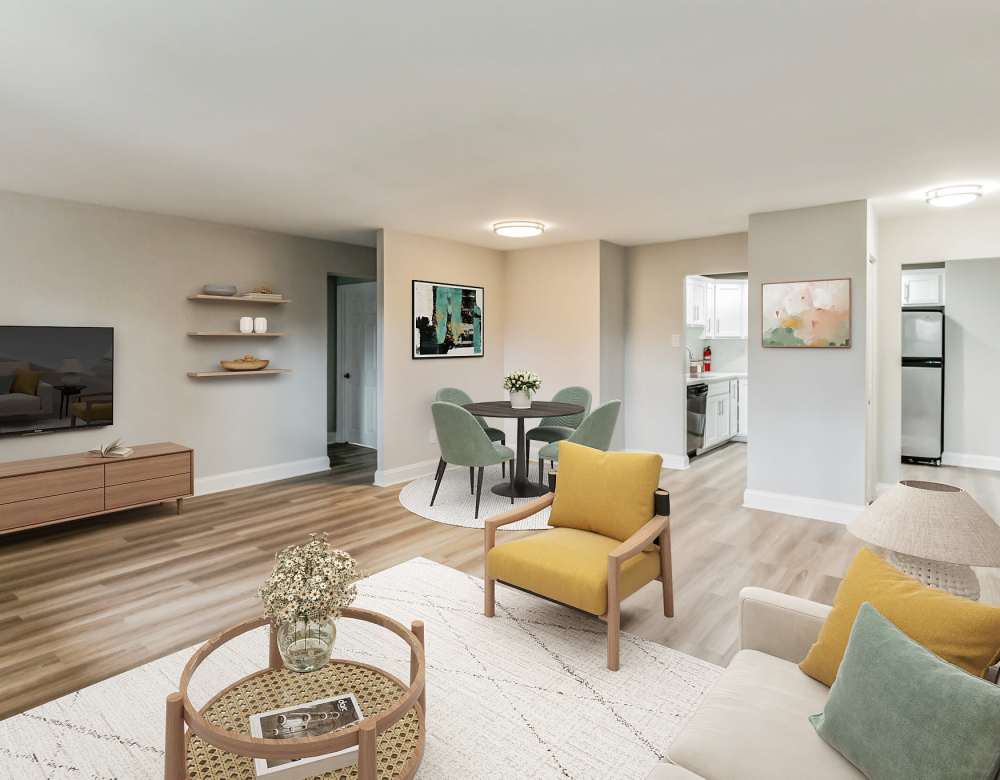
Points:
(308, 589)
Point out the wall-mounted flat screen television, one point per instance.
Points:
(55, 378)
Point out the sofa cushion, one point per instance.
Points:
(963, 632)
(26, 381)
(898, 711)
(14, 404)
(754, 723)
(609, 493)
(569, 566)
(5, 383)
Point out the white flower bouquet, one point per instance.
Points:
(310, 581)
(522, 382)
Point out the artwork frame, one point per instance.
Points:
(464, 336)
(831, 327)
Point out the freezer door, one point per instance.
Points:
(923, 334)
(921, 412)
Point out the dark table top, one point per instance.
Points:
(537, 409)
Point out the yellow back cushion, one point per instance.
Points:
(962, 632)
(25, 381)
(608, 493)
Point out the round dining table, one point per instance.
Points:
(521, 486)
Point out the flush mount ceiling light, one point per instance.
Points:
(958, 195)
(518, 228)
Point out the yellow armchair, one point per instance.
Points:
(589, 570)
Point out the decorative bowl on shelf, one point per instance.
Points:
(245, 363)
(226, 290)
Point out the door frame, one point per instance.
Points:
(345, 433)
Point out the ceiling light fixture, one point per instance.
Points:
(958, 195)
(518, 228)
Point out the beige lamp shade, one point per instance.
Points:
(933, 521)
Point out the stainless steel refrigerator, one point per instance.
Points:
(923, 384)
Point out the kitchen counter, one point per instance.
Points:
(715, 376)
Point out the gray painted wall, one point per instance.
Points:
(65, 263)
(972, 357)
(613, 283)
(809, 404)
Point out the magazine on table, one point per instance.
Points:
(312, 719)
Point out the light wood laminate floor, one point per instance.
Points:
(84, 601)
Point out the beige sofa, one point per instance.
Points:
(754, 722)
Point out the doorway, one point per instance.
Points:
(351, 370)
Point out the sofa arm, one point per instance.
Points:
(779, 625)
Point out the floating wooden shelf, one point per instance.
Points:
(263, 371)
(230, 334)
(234, 299)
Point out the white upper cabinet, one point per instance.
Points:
(923, 287)
(717, 305)
(697, 301)
(730, 321)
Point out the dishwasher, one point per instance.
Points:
(697, 402)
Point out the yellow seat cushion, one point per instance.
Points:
(569, 566)
(608, 493)
(963, 632)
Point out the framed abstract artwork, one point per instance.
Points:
(809, 314)
(447, 320)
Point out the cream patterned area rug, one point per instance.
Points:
(456, 505)
(522, 695)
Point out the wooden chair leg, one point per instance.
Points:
(472, 480)
(489, 596)
(614, 616)
(479, 489)
(175, 752)
(667, 571)
(437, 477)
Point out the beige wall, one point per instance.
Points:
(807, 453)
(655, 390)
(407, 446)
(613, 302)
(66, 263)
(931, 236)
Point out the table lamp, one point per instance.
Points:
(70, 370)
(933, 533)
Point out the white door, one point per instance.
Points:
(357, 395)
(730, 313)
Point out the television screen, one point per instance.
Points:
(54, 378)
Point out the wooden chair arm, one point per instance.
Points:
(640, 540)
(490, 526)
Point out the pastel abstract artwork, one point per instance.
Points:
(807, 314)
(447, 320)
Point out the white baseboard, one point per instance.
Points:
(675, 462)
(408, 473)
(259, 475)
(801, 506)
(331, 437)
(969, 461)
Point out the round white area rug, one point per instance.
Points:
(455, 505)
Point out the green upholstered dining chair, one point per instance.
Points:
(552, 429)
(595, 432)
(464, 443)
(454, 395)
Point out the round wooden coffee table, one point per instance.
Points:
(217, 743)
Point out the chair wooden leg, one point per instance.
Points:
(667, 571)
(614, 616)
(472, 480)
(175, 752)
(437, 477)
(489, 596)
(479, 489)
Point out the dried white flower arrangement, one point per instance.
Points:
(517, 381)
(310, 581)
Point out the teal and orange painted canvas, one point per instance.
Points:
(447, 320)
(807, 314)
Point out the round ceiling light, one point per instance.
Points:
(958, 195)
(518, 228)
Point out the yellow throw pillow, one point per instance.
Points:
(26, 381)
(608, 493)
(962, 632)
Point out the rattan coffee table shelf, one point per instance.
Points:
(218, 745)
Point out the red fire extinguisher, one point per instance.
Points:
(706, 359)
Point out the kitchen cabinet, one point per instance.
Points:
(697, 301)
(717, 415)
(742, 406)
(717, 305)
(923, 287)
(734, 407)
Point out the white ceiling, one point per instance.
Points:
(630, 121)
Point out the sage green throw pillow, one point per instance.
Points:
(897, 711)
